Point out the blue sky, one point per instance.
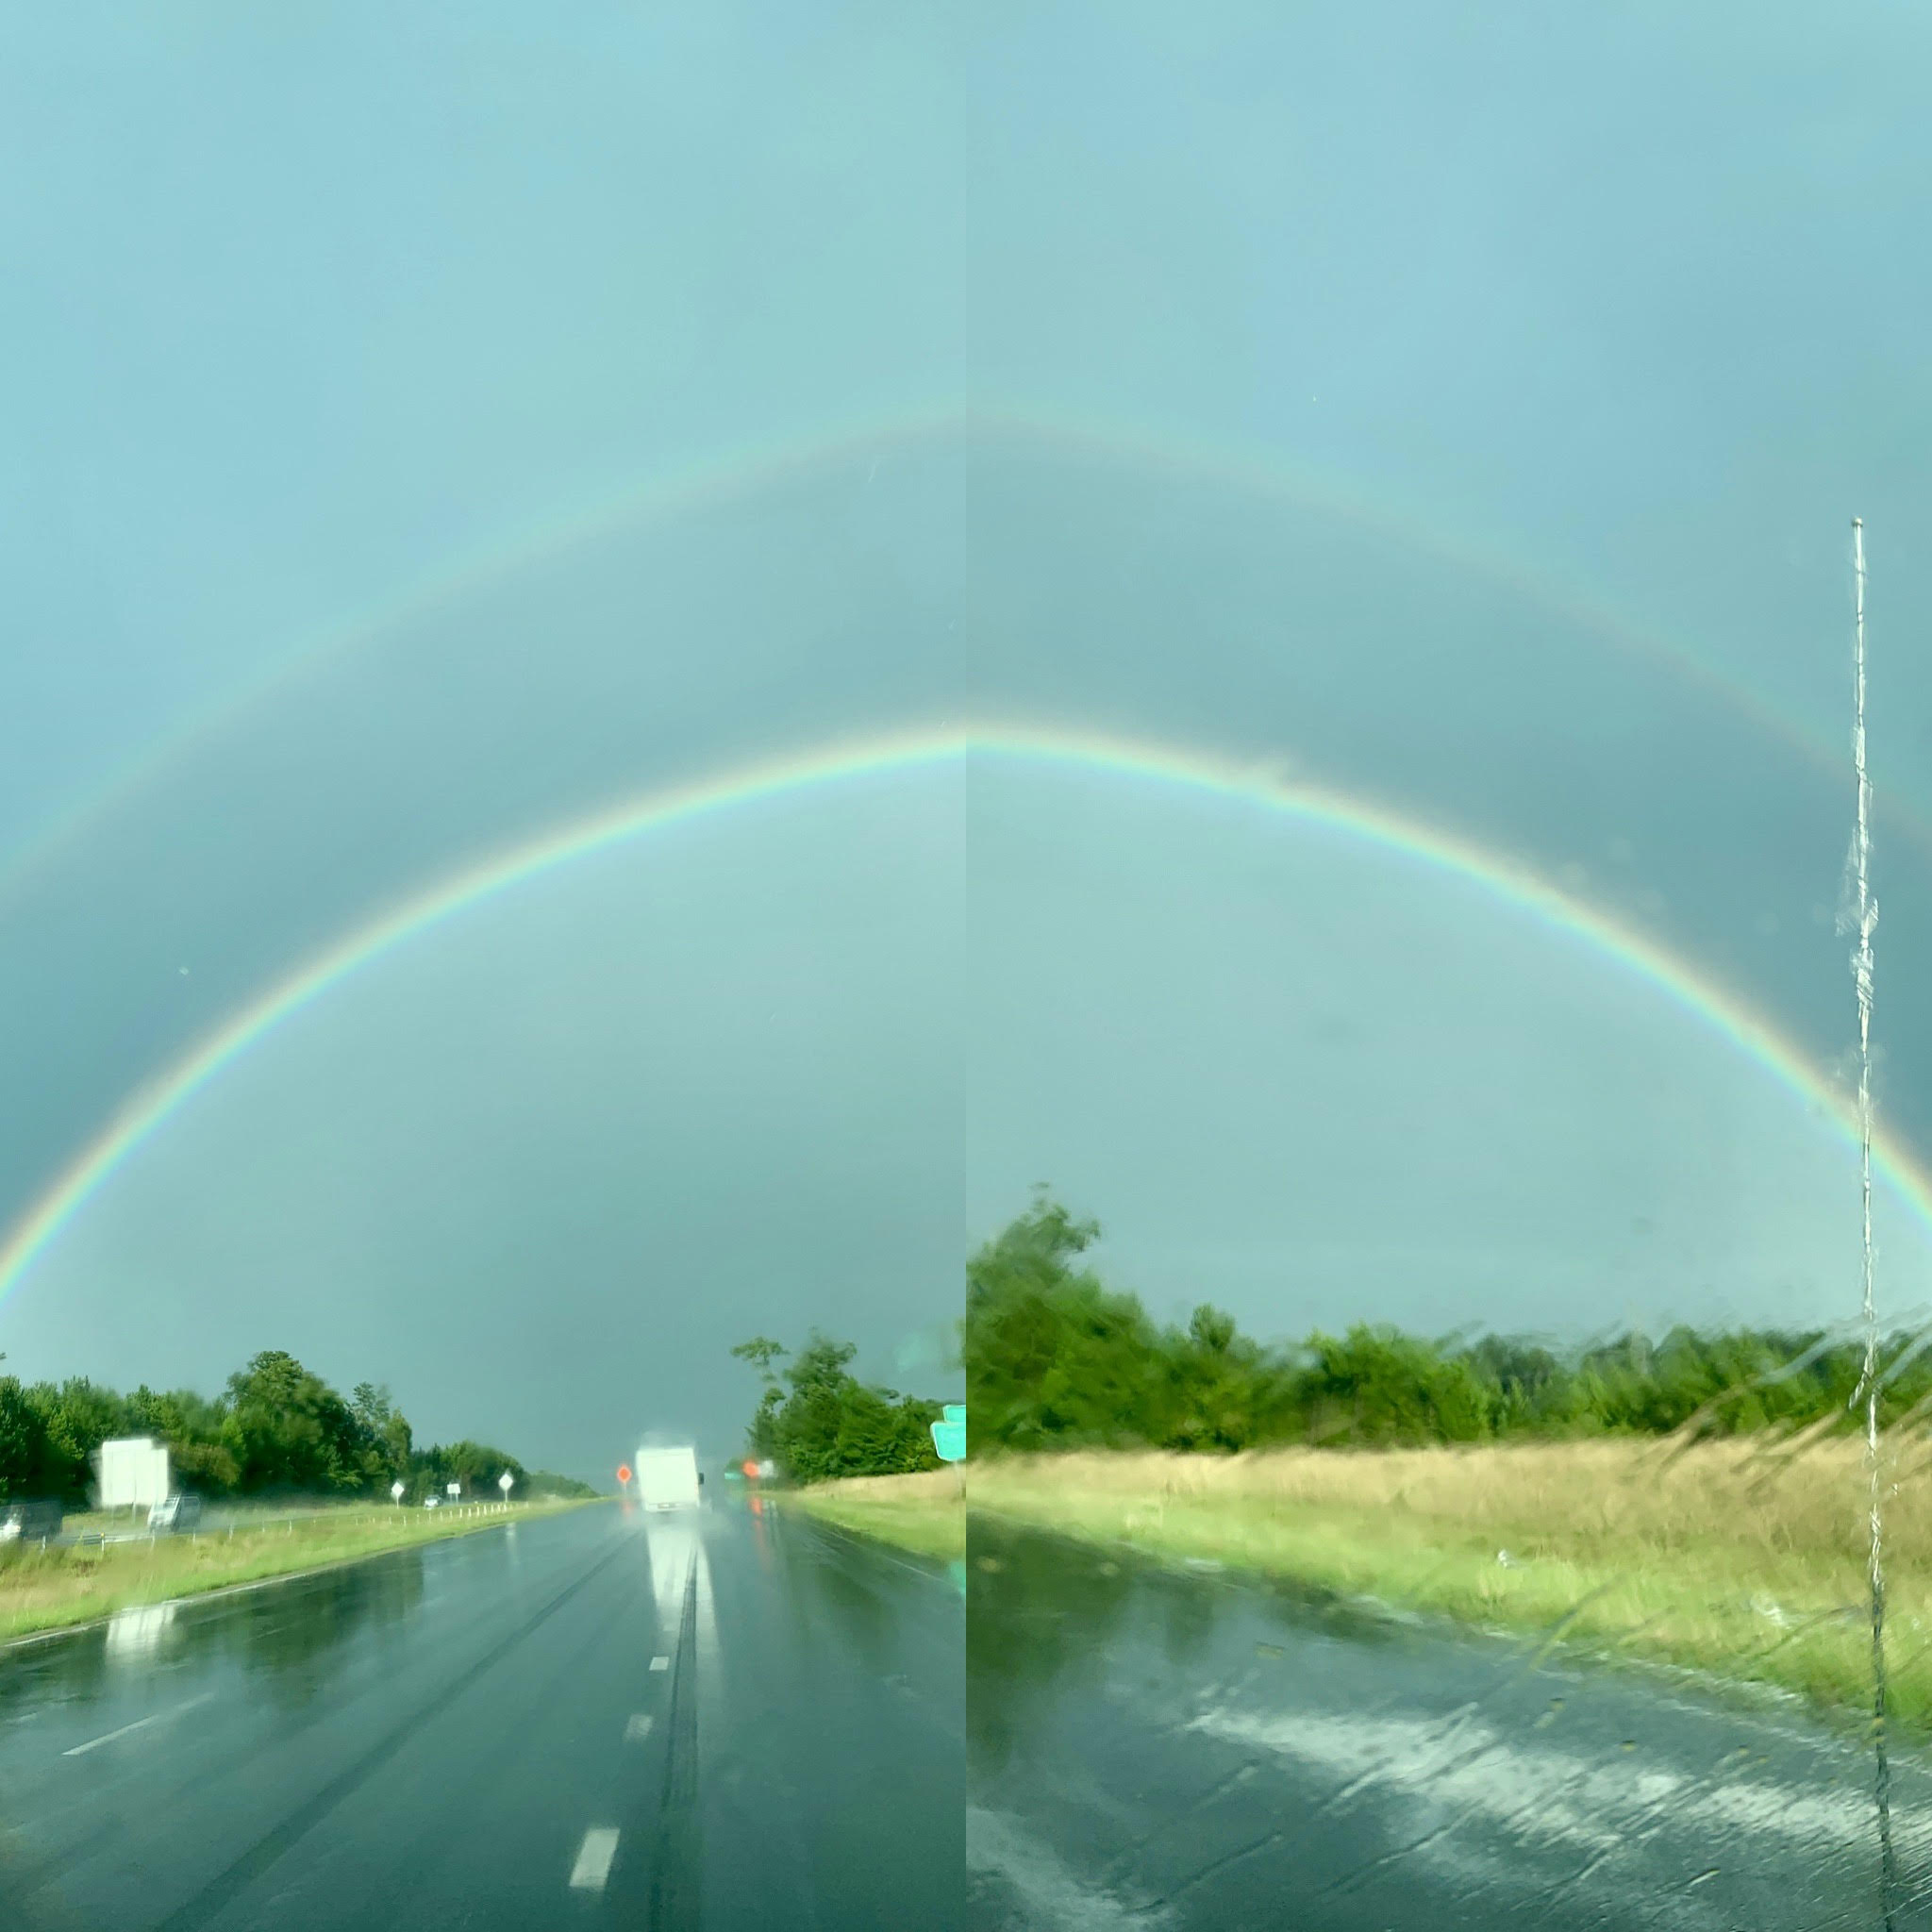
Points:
(1573, 340)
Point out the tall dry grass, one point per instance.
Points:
(1744, 1557)
(924, 1485)
(921, 1512)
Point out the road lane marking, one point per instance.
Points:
(593, 1858)
(640, 1727)
(210, 1902)
(660, 1663)
(140, 1724)
(674, 1861)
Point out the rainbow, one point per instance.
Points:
(744, 471)
(150, 1107)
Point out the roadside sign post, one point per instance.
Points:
(949, 1438)
(623, 1478)
(396, 1493)
(503, 1483)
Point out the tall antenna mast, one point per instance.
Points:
(1861, 975)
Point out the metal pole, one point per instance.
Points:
(1861, 975)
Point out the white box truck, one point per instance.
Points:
(667, 1478)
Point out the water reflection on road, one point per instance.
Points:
(1150, 1747)
(286, 1637)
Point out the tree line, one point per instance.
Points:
(1055, 1358)
(815, 1420)
(276, 1429)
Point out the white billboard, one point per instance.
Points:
(134, 1471)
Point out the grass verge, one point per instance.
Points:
(1742, 1559)
(65, 1585)
(921, 1512)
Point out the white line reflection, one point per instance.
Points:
(593, 1858)
(140, 1723)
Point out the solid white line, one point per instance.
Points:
(640, 1727)
(660, 1663)
(140, 1724)
(593, 1858)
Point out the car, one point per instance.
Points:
(176, 1512)
(432, 1501)
(22, 1523)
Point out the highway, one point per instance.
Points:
(1151, 1750)
(725, 1719)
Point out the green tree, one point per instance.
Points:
(821, 1422)
(544, 1482)
(1379, 1386)
(761, 1352)
(761, 1435)
(385, 1441)
(1223, 1392)
(476, 1465)
(27, 1464)
(77, 1417)
(1053, 1358)
(287, 1429)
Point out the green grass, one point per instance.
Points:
(923, 1513)
(50, 1590)
(1724, 1558)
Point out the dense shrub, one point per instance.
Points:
(1055, 1358)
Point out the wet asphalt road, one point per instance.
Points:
(743, 1721)
(1150, 1749)
(727, 1721)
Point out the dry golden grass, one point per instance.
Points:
(1746, 1558)
(923, 1513)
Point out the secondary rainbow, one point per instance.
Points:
(153, 1105)
(742, 472)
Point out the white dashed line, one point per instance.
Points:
(593, 1858)
(140, 1724)
(660, 1663)
(640, 1727)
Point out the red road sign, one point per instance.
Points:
(624, 1472)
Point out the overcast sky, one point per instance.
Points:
(1465, 411)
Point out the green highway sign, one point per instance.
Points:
(949, 1438)
(955, 1412)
